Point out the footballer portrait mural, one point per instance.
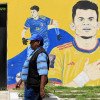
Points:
(77, 63)
(71, 32)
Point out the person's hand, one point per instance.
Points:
(59, 37)
(18, 84)
(92, 70)
(24, 41)
(42, 93)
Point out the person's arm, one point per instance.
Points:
(90, 72)
(42, 85)
(79, 81)
(23, 37)
(55, 23)
(42, 68)
(18, 84)
(27, 25)
(23, 33)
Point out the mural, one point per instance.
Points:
(77, 62)
(73, 40)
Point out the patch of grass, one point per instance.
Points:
(21, 92)
(95, 99)
(67, 92)
(50, 88)
(81, 98)
(80, 93)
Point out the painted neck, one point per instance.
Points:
(83, 43)
(36, 18)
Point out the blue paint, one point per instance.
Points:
(15, 66)
(55, 79)
(16, 63)
(65, 38)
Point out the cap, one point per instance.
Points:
(36, 37)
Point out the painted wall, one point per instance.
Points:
(18, 11)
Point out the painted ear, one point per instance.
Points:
(72, 26)
(98, 26)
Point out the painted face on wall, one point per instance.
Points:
(85, 23)
(34, 13)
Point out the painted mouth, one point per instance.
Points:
(86, 37)
(86, 29)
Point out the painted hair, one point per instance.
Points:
(84, 4)
(34, 8)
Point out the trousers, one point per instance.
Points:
(31, 94)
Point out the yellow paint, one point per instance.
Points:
(19, 10)
(69, 63)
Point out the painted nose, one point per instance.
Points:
(85, 22)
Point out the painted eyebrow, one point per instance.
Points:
(91, 18)
(81, 17)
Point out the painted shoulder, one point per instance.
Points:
(65, 45)
(42, 17)
(29, 18)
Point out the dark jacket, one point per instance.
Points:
(34, 79)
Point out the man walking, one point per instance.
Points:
(37, 70)
(38, 24)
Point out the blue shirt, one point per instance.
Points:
(41, 65)
(39, 26)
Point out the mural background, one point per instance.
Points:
(18, 11)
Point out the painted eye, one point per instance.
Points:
(90, 19)
(81, 19)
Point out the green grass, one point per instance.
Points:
(67, 92)
(21, 92)
(60, 91)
